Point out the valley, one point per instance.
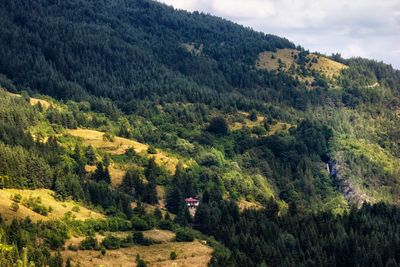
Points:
(135, 134)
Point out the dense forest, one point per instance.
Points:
(293, 166)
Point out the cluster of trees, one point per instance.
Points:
(134, 184)
(174, 80)
(18, 243)
(365, 237)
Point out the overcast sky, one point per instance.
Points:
(366, 28)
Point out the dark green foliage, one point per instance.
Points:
(152, 150)
(100, 194)
(253, 115)
(101, 174)
(134, 185)
(89, 243)
(184, 235)
(111, 242)
(127, 60)
(139, 224)
(147, 44)
(218, 125)
(158, 214)
(90, 155)
(140, 262)
(139, 239)
(152, 173)
(322, 239)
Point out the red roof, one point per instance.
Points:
(191, 200)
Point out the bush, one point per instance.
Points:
(14, 206)
(138, 238)
(253, 115)
(139, 224)
(111, 242)
(166, 225)
(218, 125)
(17, 198)
(108, 137)
(152, 150)
(173, 255)
(75, 209)
(72, 247)
(103, 251)
(88, 243)
(184, 235)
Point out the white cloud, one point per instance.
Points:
(353, 28)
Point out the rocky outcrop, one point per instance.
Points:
(350, 191)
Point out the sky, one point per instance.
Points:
(365, 28)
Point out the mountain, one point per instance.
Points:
(114, 112)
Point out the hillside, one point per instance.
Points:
(300, 65)
(112, 113)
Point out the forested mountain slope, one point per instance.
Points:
(126, 108)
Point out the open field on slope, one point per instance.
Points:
(59, 208)
(287, 58)
(120, 145)
(193, 253)
(245, 122)
(45, 104)
(274, 128)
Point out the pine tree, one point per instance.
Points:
(80, 160)
(174, 199)
(59, 188)
(90, 155)
(101, 174)
(152, 172)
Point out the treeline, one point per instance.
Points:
(365, 237)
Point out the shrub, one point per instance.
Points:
(103, 251)
(173, 255)
(111, 242)
(218, 125)
(108, 137)
(14, 206)
(152, 150)
(253, 115)
(75, 209)
(72, 247)
(184, 235)
(166, 225)
(17, 198)
(88, 243)
(138, 238)
(139, 224)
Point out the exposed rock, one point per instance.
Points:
(350, 192)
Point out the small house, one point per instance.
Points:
(192, 203)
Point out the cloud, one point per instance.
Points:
(353, 28)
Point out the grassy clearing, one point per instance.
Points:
(59, 208)
(188, 253)
(192, 48)
(34, 101)
(242, 121)
(120, 145)
(244, 204)
(286, 59)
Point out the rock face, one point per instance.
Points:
(350, 192)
